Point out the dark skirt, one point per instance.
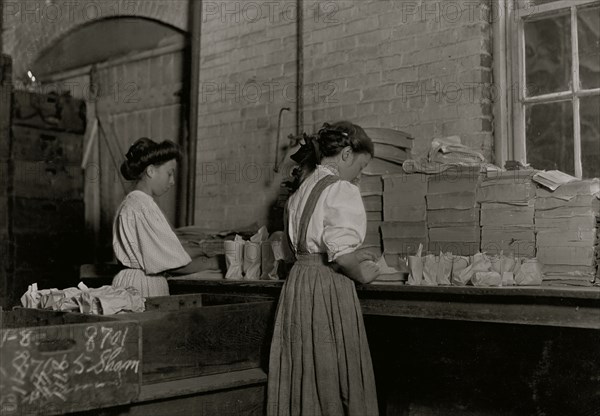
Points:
(320, 362)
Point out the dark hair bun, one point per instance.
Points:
(332, 138)
(145, 152)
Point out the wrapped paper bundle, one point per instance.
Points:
(234, 257)
(252, 254)
(530, 273)
(430, 267)
(459, 263)
(480, 263)
(106, 300)
(273, 254)
(415, 265)
(487, 279)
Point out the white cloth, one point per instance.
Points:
(144, 242)
(338, 224)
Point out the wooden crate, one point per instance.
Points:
(49, 146)
(200, 334)
(48, 180)
(4, 178)
(56, 362)
(48, 112)
(38, 250)
(48, 215)
(5, 107)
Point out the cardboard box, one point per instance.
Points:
(452, 200)
(586, 187)
(403, 246)
(542, 203)
(453, 217)
(414, 230)
(496, 215)
(407, 214)
(584, 256)
(463, 234)
(460, 248)
(513, 193)
(371, 185)
(373, 203)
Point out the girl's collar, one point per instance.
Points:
(330, 168)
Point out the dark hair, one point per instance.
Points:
(145, 152)
(330, 140)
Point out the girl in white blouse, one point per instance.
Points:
(143, 240)
(320, 362)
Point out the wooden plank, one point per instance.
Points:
(245, 400)
(523, 314)
(204, 384)
(208, 339)
(67, 362)
(539, 293)
(48, 180)
(48, 215)
(49, 112)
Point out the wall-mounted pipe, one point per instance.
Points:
(276, 167)
(196, 29)
(299, 67)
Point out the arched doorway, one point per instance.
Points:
(131, 74)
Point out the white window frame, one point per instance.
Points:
(509, 75)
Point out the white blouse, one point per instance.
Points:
(142, 237)
(338, 224)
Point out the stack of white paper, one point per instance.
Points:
(566, 223)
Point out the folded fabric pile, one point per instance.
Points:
(566, 221)
(105, 300)
(444, 153)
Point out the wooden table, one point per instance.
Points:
(546, 306)
(517, 351)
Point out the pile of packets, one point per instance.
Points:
(256, 259)
(105, 300)
(478, 270)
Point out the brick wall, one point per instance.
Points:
(30, 26)
(421, 66)
(247, 74)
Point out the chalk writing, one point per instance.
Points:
(90, 333)
(42, 370)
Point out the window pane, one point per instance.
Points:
(548, 55)
(531, 4)
(550, 136)
(590, 136)
(588, 27)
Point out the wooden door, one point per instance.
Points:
(136, 98)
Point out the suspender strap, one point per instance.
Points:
(309, 208)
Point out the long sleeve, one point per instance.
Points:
(344, 219)
(144, 239)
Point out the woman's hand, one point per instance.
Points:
(351, 267)
(369, 270)
(365, 255)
